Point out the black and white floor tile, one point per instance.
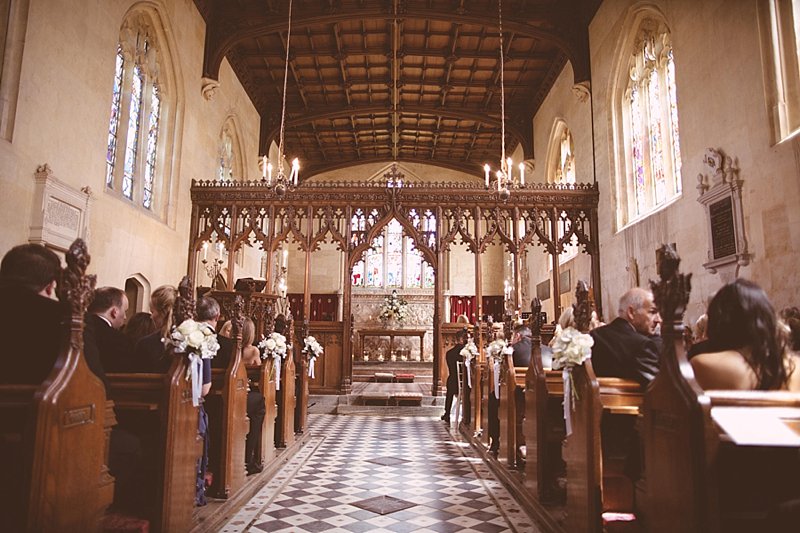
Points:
(391, 474)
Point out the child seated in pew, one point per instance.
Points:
(747, 349)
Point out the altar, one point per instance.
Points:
(392, 333)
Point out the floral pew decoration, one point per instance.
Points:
(312, 349)
(571, 348)
(495, 351)
(469, 352)
(274, 347)
(198, 341)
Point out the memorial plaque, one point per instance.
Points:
(543, 290)
(723, 233)
(565, 281)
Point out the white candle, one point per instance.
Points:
(499, 181)
(263, 167)
(295, 169)
(285, 258)
(522, 173)
(486, 174)
(205, 250)
(269, 173)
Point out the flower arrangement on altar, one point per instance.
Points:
(199, 342)
(570, 349)
(274, 346)
(394, 307)
(312, 349)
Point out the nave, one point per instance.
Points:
(382, 474)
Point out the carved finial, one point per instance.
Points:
(184, 303)
(535, 321)
(582, 307)
(44, 171)
(671, 292)
(75, 287)
(237, 319)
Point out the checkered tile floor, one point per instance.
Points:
(371, 474)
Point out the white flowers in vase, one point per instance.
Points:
(199, 341)
(394, 307)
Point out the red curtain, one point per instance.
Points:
(324, 307)
(462, 305)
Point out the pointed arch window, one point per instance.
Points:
(134, 152)
(565, 173)
(392, 261)
(229, 157)
(650, 125)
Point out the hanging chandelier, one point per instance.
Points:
(281, 183)
(505, 175)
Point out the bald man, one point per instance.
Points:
(628, 347)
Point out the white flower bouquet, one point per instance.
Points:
(273, 346)
(469, 352)
(394, 307)
(497, 348)
(199, 342)
(570, 349)
(313, 349)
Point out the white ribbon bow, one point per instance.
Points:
(311, 367)
(276, 364)
(565, 375)
(194, 372)
(496, 379)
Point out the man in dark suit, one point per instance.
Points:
(521, 341)
(453, 357)
(628, 347)
(30, 319)
(104, 319)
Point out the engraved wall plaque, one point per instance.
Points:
(721, 195)
(60, 213)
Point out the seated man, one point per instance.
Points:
(30, 318)
(628, 347)
(104, 319)
(521, 341)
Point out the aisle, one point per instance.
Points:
(382, 474)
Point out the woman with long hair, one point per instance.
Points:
(750, 352)
(250, 354)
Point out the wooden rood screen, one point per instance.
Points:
(352, 214)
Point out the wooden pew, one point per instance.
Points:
(302, 380)
(697, 477)
(227, 410)
(596, 398)
(543, 428)
(284, 423)
(161, 407)
(263, 376)
(512, 411)
(54, 437)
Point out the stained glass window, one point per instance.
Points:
(565, 173)
(152, 146)
(113, 126)
(398, 264)
(132, 151)
(226, 156)
(651, 129)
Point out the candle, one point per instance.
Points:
(205, 250)
(295, 169)
(499, 181)
(486, 174)
(263, 167)
(522, 173)
(285, 258)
